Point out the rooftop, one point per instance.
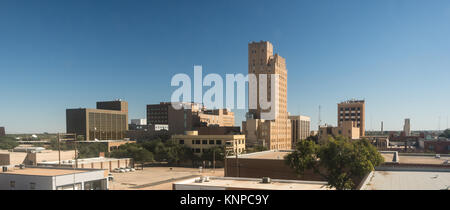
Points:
(42, 171)
(416, 159)
(81, 161)
(407, 180)
(255, 184)
(271, 155)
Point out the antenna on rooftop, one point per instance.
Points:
(320, 119)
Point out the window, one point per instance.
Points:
(205, 142)
(32, 186)
(211, 141)
(181, 141)
(193, 141)
(197, 150)
(197, 141)
(219, 142)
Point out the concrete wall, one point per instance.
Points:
(258, 168)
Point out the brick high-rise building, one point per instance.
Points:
(2, 131)
(273, 133)
(353, 110)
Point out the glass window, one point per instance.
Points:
(205, 142)
(32, 186)
(219, 142)
(181, 141)
(211, 141)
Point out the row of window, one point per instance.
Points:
(351, 109)
(12, 185)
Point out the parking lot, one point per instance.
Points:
(157, 178)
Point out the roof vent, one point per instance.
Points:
(266, 180)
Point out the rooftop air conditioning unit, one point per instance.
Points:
(266, 180)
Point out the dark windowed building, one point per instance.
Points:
(108, 122)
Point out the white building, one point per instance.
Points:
(139, 121)
(235, 183)
(46, 178)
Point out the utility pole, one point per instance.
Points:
(237, 164)
(59, 150)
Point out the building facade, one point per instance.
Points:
(354, 111)
(2, 131)
(348, 129)
(181, 117)
(101, 124)
(407, 127)
(50, 178)
(201, 143)
(300, 128)
(272, 133)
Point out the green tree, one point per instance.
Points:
(8, 142)
(217, 153)
(90, 150)
(343, 163)
(135, 151)
(446, 134)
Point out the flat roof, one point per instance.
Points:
(85, 160)
(43, 171)
(252, 183)
(416, 159)
(271, 154)
(407, 180)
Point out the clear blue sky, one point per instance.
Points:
(68, 54)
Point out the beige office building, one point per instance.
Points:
(300, 128)
(276, 133)
(217, 118)
(353, 111)
(201, 143)
(108, 122)
(348, 129)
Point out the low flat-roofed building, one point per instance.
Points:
(409, 172)
(228, 183)
(201, 143)
(31, 158)
(407, 179)
(49, 178)
(269, 163)
(416, 160)
(93, 163)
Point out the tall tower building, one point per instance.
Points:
(353, 110)
(300, 128)
(407, 127)
(273, 133)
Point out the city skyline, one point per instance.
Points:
(392, 54)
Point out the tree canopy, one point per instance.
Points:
(8, 142)
(340, 161)
(446, 134)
